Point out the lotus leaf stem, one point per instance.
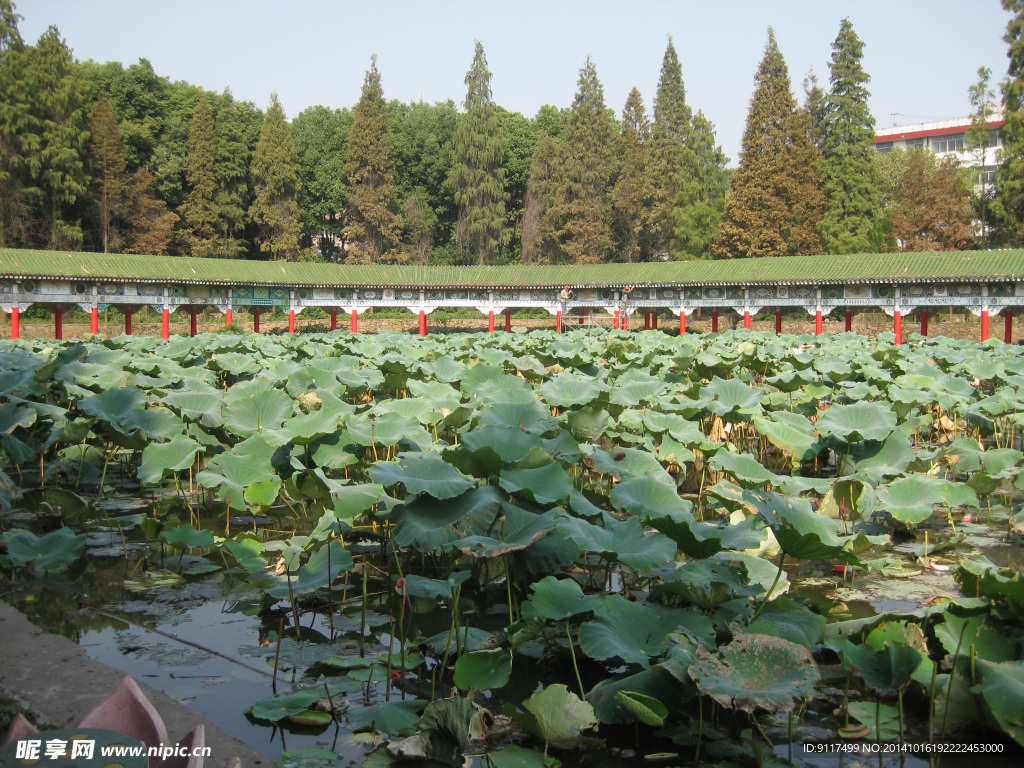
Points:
(572, 653)
(700, 728)
(768, 594)
(878, 724)
(899, 701)
(949, 685)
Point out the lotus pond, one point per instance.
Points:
(518, 550)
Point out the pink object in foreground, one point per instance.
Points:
(128, 711)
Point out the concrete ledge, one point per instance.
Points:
(55, 679)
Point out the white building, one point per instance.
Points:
(946, 137)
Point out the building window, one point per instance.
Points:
(985, 176)
(916, 144)
(883, 147)
(994, 140)
(948, 144)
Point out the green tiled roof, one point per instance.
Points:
(884, 267)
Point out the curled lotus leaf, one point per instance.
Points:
(422, 473)
(756, 672)
(647, 497)
(860, 421)
(1002, 688)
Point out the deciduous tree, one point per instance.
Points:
(1008, 205)
(321, 136)
(275, 181)
(931, 205)
(478, 172)
(375, 226)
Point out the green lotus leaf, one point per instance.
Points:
(544, 485)
(520, 757)
(974, 631)
(625, 462)
(982, 578)
(304, 428)
(912, 499)
(645, 709)
(732, 400)
(387, 429)
(438, 395)
(530, 415)
(1002, 688)
(886, 670)
(483, 670)
(569, 389)
(588, 423)
(429, 524)
(860, 421)
(320, 570)
(708, 583)
(558, 717)
(336, 451)
(350, 501)
(790, 621)
(231, 473)
(247, 550)
(782, 433)
(494, 448)
(748, 471)
(389, 717)
(756, 672)
(259, 412)
(422, 473)
(186, 536)
(633, 632)
(647, 497)
(198, 405)
(284, 705)
(522, 529)
(435, 589)
(49, 553)
(557, 599)
(634, 387)
(801, 533)
(700, 540)
(624, 542)
(130, 424)
(444, 369)
(174, 456)
(654, 682)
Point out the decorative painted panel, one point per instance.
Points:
(857, 291)
(916, 291)
(736, 294)
(832, 292)
(714, 292)
(762, 292)
(965, 289)
(1000, 290)
(668, 293)
(882, 291)
(407, 295)
(148, 289)
(5, 286)
(111, 289)
(692, 293)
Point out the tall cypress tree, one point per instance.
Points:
(631, 197)
(108, 166)
(580, 215)
(848, 167)
(231, 167)
(805, 195)
(757, 214)
(55, 143)
(375, 226)
(199, 212)
(478, 172)
(275, 181)
(702, 190)
(13, 119)
(538, 235)
(670, 136)
(1008, 205)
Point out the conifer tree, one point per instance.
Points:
(805, 196)
(151, 224)
(54, 143)
(538, 234)
(13, 118)
(631, 197)
(108, 167)
(757, 213)
(580, 215)
(199, 212)
(275, 181)
(670, 136)
(375, 226)
(1008, 205)
(848, 169)
(702, 191)
(478, 172)
(231, 197)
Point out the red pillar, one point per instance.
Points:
(984, 325)
(508, 321)
(897, 326)
(128, 322)
(165, 324)
(58, 323)
(228, 317)
(334, 319)
(94, 321)
(15, 322)
(423, 323)
(778, 321)
(654, 320)
(354, 325)
(1008, 326)
(255, 321)
(746, 319)
(849, 321)
(819, 325)
(682, 323)
(647, 321)
(490, 321)
(714, 321)
(581, 317)
(291, 321)
(558, 321)
(624, 321)
(193, 324)
(615, 320)
(924, 322)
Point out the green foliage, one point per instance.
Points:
(1008, 205)
(198, 212)
(478, 174)
(275, 178)
(848, 154)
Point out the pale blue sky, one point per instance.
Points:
(921, 54)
